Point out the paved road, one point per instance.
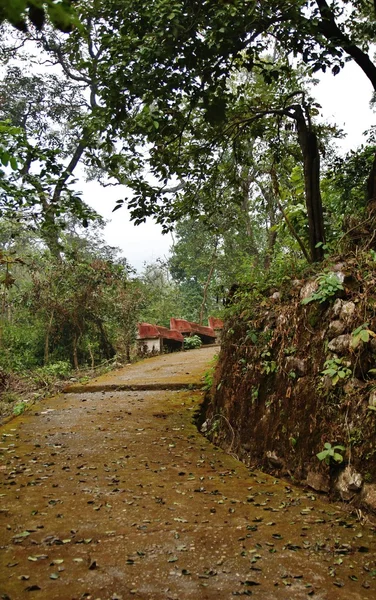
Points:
(115, 495)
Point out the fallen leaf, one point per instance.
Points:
(32, 588)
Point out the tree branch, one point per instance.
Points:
(69, 170)
(329, 29)
(56, 50)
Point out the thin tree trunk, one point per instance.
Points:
(69, 170)
(311, 161)
(208, 280)
(75, 352)
(106, 345)
(128, 351)
(371, 183)
(50, 230)
(91, 355)
(271, 202)
(245, 186)
(47, 340)
(272, 238)
(290, 226)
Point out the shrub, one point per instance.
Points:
(46, 375)
(194, 341)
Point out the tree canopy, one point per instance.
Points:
(171, 79)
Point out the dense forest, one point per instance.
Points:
(206, 112)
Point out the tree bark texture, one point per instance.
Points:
(311, 160)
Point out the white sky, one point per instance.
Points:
(345, 101)
(140, 243)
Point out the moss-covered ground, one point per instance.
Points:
(116, 495)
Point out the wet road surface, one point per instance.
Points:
(115, 494)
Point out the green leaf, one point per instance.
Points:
(13, 163)
(360, 328)
(322, 455)
(5, 158)
(24, 534)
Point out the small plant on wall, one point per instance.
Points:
(329, 285)
(331, 454)
(336, 370)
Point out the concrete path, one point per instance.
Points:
(114, 495)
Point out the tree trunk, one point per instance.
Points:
(128, 351)
(106, 345)
(245, 187)
(271, 203)
(50, 230)
(311, 160)
(75, 353)
(208, 280)
(91, 355)
(205, 294)
(47, 340)
(371, 183)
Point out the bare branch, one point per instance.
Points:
(69, 170)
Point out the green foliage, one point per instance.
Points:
(192, 342)
(268, 366)
(361, 334)
(329, 285)
(162, 298)
(331, 454)
(208, 380)
(22, 12)
(254, 394)
(204, 121)
(336, 370)
(209, 375)
(70, 313)
(21, 344)
(10, 397)
(344, 186)
(19, 408)
(61, 370)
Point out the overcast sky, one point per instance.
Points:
(345, 101)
